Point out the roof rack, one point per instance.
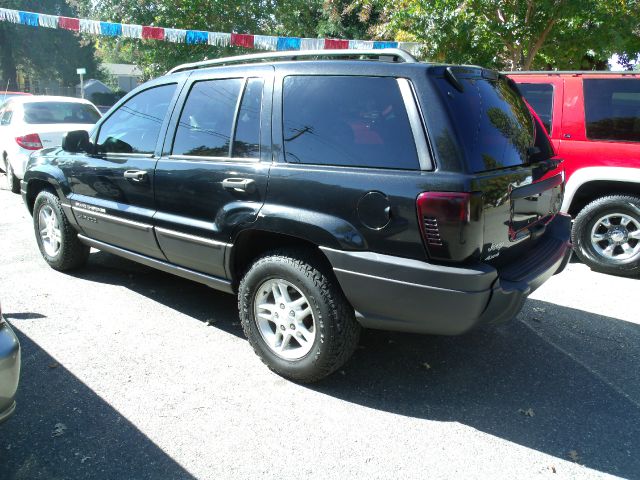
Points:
(396, 55)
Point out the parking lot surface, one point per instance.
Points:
(133, 373)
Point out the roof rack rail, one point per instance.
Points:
(397, 54)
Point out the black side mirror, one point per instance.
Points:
(76, 142)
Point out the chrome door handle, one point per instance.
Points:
(135, 175)
(239, 184)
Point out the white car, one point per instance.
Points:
(29, 123)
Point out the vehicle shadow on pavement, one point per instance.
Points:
(63, 429)
(203, 303)
(561, 381)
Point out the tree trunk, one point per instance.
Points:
(7, 62)
(533, 51)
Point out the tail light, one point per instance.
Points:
(30, 142)
(445, 218)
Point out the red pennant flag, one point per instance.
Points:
(241, 40)
(67, 23)
(330, 43)
(154, 33)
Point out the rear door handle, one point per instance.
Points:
(136, 175)
(239, 184)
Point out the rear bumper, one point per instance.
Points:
(9, 370)
(393, 293)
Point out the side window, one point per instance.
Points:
(349, 121)
(540, 97)
(5, 118)
(246, 143)
(134, 127)
(206, 121)
(612, 109)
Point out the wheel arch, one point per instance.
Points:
(588, 184)
(250, 244)
(595, 189)
(37, 181)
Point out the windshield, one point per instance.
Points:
(59, 112)
(493, 122)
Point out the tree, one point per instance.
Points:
(43, 53)
(515, 34)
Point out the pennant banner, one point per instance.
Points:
(193, 37)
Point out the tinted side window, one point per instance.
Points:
(246, 143)
(351, 121)
(540, 97)
(204, 128)
(612, 109)
(135, 125)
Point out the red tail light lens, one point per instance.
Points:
(442, 216)
(30, 142)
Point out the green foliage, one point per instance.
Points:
(43, 53)
(513, 34)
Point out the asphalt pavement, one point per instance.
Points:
(131, 373)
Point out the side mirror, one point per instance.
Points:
(76, 142)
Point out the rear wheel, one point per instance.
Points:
(13, 182)
(57, 239)
(606, 235)
(295, 315)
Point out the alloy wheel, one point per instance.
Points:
(285, 319)
(49, 229)
(616, 236)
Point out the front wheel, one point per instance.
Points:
(57, 239)
(296, 317)
(606, 235)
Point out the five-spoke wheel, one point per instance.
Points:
(295, 315)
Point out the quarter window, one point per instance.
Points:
(612, 109)
(349, 121)
(247, 139)
(206, 121)
(5, 119)
(540, 97)
(134, 127)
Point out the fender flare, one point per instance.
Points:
(593, 174)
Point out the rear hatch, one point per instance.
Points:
(51, 119)
(508, 159)
(51, 135)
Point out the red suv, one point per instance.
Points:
(593, 119)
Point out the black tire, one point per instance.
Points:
(583, 226)
(13, 182)
(71, 253)
(336, 330)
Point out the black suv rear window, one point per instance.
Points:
(612, 109)
(493, 123)
(349, 121)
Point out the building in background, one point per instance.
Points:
(127, 76)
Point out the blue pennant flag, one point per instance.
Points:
(385, 44)
(111, 29)
(27, 18)
(196, 36)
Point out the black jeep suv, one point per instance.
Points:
(329, 190)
